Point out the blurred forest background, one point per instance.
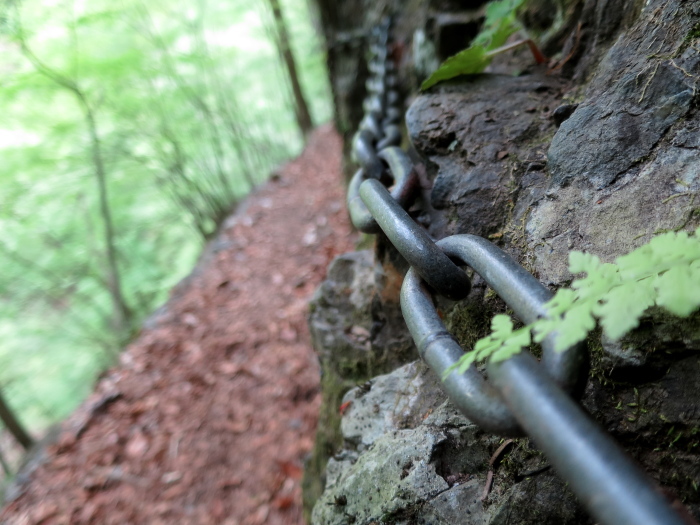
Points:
(128, 131)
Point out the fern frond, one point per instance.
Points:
(664, 272)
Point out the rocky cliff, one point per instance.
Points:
(598, 151)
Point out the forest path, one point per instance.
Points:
(209, 415)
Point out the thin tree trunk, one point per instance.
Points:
(122, 314)
(53, 278)
(13, 425)
(122, 319)
(301, 109)
(196, 100)
(5, 466)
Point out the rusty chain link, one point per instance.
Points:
(522, 396)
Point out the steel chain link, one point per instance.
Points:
(522, 396)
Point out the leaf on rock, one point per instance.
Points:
(665, 271)
(499, 24)
(471, 60)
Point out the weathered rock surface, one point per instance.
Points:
(598, 155)
(625, 165)
(481, 137)
(410, 457)
(356, 335)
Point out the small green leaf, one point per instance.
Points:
(499, 24)
(666, 272)
(561, 302)
(504, 353)
(471, 60)
(574, 326)
(580, 262)
(466, 361)
(514, 344)
(501, 325)
(623, 306)
(543, 327)
(678, 291)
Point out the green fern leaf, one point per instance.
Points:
(665, 272)
(518, 340)
(575, 325)
(580, 262)
(622, 307)
(597, 283)
(678, 290)
(562, 301)
(499, 24)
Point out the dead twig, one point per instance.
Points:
(492, 463)
(568, 57)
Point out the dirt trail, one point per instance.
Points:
(212, 409)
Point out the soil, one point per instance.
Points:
(211, 411)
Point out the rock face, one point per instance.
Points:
(357, 336)
(481, 139)
(621, 159)
(410, 457)
(597, 155)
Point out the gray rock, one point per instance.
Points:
(460, 504)
(356, 335)
(411, 457)
(625, 164)
(614, 221)
(390, 479)
(481, 136)
(403, 436)
(342, 302)
(539, 500)
(619, 135)
(394, 401)
(643, 86)
(620, 354)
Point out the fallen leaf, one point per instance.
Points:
(290, 469)
(137, 446)
(344, 407)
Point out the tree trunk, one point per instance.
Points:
(13, 425)
(301, 109)
(5, 466)
(122, 314)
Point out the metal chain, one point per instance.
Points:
(522, 397)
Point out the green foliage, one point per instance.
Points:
(191, 109)
(665, 272)
(499, 24)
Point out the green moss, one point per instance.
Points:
(328, 438)
(596, 353)
(512, 463)
(469, 321)
(693, 33)
(365, 242)
(682, 438)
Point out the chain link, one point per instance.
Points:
(523, 293)
(405, 186)
(522, 396)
